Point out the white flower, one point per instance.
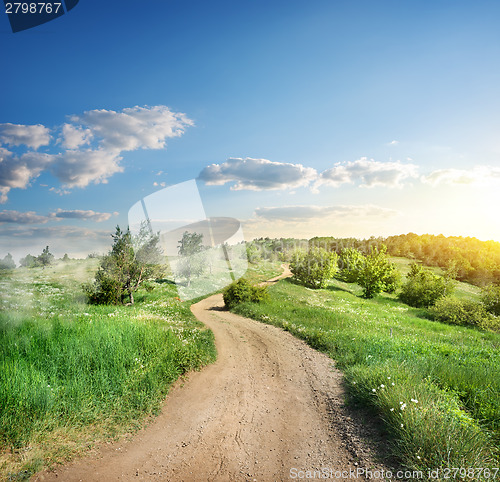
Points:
(392, 383)
(374, 389)
(382, 386)
(402, 425)
(414, 400)
(388, 378)
(403, 406)
(392, 410)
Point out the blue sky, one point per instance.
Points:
(297, 118)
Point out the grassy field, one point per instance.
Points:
(435, 386)
(73, 374)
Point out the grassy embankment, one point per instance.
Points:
(435, 386)
(72, 374)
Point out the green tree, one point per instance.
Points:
(377, 274)
(190, 264)
(130, 262)
(423, 288)
(44, 259)
(313, 268)
(28, 261)
(8, 262)
(350, 262)
(490, 298)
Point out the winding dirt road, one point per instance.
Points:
(268, 407)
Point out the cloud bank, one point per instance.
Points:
(88, 149)
(257, 174)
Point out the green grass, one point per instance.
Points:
(71, 372)
(390, 355)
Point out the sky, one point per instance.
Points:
(298, 119)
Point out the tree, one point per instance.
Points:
(351, 261)
(65, 258)
(8, 262)
(28, 261)
(45, 258)
(423, 288)
(125, 267)
(313, 268)
(190, 264)
(377, 274)
(491, 299)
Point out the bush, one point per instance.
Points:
(313, 268)
(377, 274)
(241, 291)
(491, 299)
(424, 288)
(350, 263)
(449, 309)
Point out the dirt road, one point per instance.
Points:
(268, 407)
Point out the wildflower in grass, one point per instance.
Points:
(388, 378)
(374, 389)
(403, 406)
(402, 425)
(392, 409)
(414, 400)
(392, 383)
(382, 386)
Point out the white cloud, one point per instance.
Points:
(17, 217)
(134, 128)
(18, 172)
(80, 214)
(79, 168)
(258, 174)
(90, 146)
(32, 136)
(477, 176)
(368, 173)
(75, 136)
(393, 143)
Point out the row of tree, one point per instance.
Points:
(472, 260)
(44, 259)
(372, 271)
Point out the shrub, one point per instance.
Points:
(350, 263)
(313, 268)
(491, 299)
(377, 274)
(241, 291)
(449, 309)
(424, 288)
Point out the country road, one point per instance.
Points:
(267, 408)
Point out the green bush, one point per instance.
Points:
(491, 299)
(424, 288)
(449, 309)
(350, 263)
(378, 274)
(313, 268)
(241, 291)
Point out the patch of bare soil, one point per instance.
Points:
(268, 408)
